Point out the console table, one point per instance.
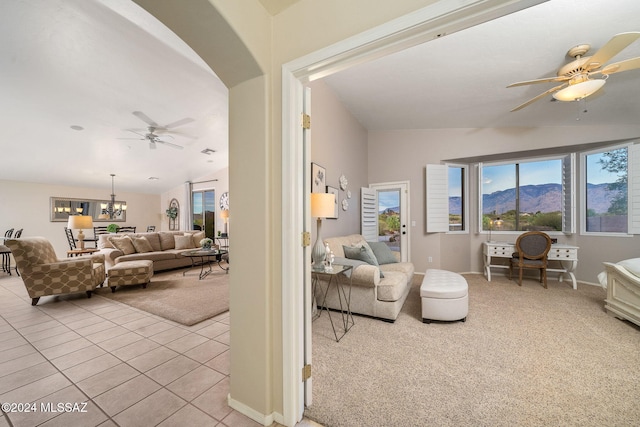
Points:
(566, 255)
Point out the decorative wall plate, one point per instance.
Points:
(345, 204)
(343, 182)
(348, 194)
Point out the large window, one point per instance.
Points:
(606, 191)
(526, 195)
(204, 207)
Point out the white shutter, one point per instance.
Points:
(633, 182)
(369, 214)
(568, 194)
(437, 201)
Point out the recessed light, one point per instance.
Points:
(76, 127)
(153, 178)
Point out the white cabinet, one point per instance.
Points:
(563, 259)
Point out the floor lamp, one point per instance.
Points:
(322, 206)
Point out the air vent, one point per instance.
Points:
(208, 151)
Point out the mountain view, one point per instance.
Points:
(534, 198)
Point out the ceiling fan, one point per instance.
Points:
(153, 130)
(575, 75)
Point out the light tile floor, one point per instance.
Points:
(129, 367)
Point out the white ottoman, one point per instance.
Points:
(445, 296)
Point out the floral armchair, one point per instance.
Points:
(44, 274)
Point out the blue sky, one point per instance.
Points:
(388, 199)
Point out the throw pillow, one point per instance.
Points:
(197, 237)
(141, 244)
(166, 240)
(184, 242)
(383, 254)
(362, 253)
(124, 244)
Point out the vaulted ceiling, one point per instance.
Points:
(90, 64)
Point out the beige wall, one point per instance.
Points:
(339, 144)
(463, 253)
(26, 205)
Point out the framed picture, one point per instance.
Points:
(318, 178)
(336, 210)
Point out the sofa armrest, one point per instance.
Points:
(366, 275)
(110, 255)
(66, 266)
(97, 258)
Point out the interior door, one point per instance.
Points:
(393, 216)
(308, 293)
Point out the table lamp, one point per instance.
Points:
(224, 214)
(80, 222)
(322, 206)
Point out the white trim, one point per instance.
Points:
(445, 16)
(265, 420)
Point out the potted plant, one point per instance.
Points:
(113, 228)
(206, 243)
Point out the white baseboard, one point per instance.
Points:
(265, 420)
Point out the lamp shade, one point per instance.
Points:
(322, 205)
(224, 213)
(80, 222)
(579, 90)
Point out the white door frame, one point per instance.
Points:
(403, 186)
(431, 22)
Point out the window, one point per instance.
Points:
(457, 197)
(606, 207)
(204, 206)
(527, 195)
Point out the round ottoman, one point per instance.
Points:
(127, 273)
(444, 295)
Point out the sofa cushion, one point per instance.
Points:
(154, 240)
(336, 243)
(196, 237)
(123, 243)
(152, 256)
(184, 242)
(383, 254)
(166, 240)
(141, 244)
(407, 268)
(103, 241)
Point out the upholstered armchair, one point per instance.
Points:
(44, 274)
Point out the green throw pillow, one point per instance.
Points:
(362, 253)
(383, 254)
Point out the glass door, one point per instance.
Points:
(204, 212)
(392, 200)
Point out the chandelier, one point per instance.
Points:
(112, 209)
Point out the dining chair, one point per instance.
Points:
(532, 249)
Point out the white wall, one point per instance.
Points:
(26, 205)
(416, 148)
(339, 144)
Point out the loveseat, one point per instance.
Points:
(376, 290)
(164, 248)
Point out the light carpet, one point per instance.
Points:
(526, 356)
(185, 300)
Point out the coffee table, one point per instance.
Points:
(204, 257)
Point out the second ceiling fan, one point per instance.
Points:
(157, 134)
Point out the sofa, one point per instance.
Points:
(376, 290)
(164, 248)
(43, 274)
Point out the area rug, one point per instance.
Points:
(185, 300)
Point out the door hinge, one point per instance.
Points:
(306, 121)
(306, 239)
(306, 372)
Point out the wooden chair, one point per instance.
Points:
(6, 253)
(151, 228)
(126, 229)
(532, 249)
(70, 239)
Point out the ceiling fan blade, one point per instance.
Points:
(617, 67)
(167, 132)
(610, 49)
(136, 132)
(545, 80)
(178, 123)
(170, 144)
(142, 116)
(542, 95)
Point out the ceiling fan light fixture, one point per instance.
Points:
(580, 90)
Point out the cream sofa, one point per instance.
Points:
(164, 248)
(371, 295)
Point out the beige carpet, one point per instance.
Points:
(185, 300)
(527, 356)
